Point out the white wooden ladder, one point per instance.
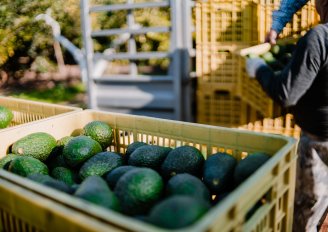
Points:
(166, 96)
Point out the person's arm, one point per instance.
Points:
(285, 13)
(297, 77)
(282, 16)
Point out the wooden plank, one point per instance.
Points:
(131, 31)
(136, 56)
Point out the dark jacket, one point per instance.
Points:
(303, 84)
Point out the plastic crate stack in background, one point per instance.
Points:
(249, 88)
(221, 21)
(224, 27)
(221, 108)
(216, 66)
(284, 125)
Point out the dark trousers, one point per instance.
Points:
(311, 194)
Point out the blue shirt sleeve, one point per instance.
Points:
(285, 13)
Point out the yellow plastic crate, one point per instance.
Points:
(25, 204)
(25, 208)
(220, 68)
(220, 108)
(217, 65)
(223, 108)
(226, 21)
(284, 125)
(26, 111)
(246, 21)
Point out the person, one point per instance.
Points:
(303, 86)
(282, 16)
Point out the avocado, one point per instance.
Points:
(77, 132)
(113, 176)
(277, 50)
(94, 189)
(99, 131)
(186, 184)
(276, 65)
(38, 145)
(143, 218)
(131, 147)
(290, 48)
(138, 190)
(268, 57)
(64, 174)
(100, 164)
(56, 158)
(74, 187)
(6, 116)
(50, 182)
(26, 165)
(151, 156)
(177, 212)
(218, 172)
(6, 159)
(247, 166)
(286, 58)
(79, 149)
(183, 159)
(63, 141)
(252, 55)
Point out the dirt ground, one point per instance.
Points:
(69, 75)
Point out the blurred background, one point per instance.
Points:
(30, 68)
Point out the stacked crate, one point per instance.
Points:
(284, 125)
(224, 27)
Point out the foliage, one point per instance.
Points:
(146, 17)
(22, 36)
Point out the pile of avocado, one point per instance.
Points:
(168, 187)
(278, 56)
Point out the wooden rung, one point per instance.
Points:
(131, 31)
(132, 56)
(129, 6)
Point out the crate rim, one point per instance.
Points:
(121, 220)
(236, 130)
(72, 109)
(37, 102)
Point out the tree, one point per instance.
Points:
(22, 36)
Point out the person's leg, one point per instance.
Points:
(311, 194)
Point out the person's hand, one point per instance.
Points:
(271, 37)
(252, 65)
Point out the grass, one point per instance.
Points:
(58, 94)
